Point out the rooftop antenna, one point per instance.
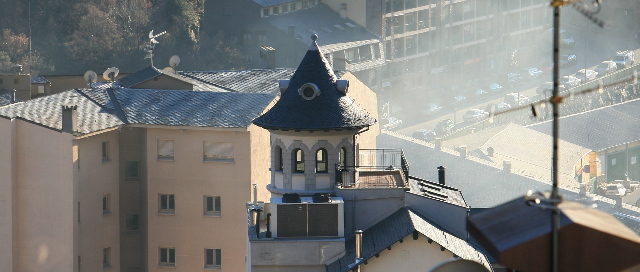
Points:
(173, 63)
(111, 74)
(152, 45)
(90, 77)
(588, 8)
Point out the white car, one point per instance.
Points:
(586, 75)
(432, 109)
(606, 67)
(393, 123)
(569, 81)
(616, 189)
(475, 115)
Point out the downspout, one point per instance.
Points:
(355, 155)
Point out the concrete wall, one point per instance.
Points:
(367, 207)
(190, 178)
(7, 188)
(367, 100)
(451, 217)
(306, 253)
(98, 178)
(43, 227)
(260, 161)
(410, 255)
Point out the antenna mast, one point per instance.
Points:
(152, 45)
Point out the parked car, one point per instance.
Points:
(495, 87)
(459, 100)
(615, 189)
(567, 61)
(606, 67)
(515, 99)
(432, 109)
(475, 115)
(569, 81)
(480, 94)
(393, 123)
(514, 79)
(424, 134)
(586, 75)
(444, 126)
(624, 59)
(534, 73)
(498, 107)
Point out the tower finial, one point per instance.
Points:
(314, 36)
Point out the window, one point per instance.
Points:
(278, 164)
(265, 12)
(275, 10)
(132, 225)
(78, 212)
(131, 170)
(165, 149)
(40, 89)
(293, 6)
(212, 258)
(79, 264)
(1, 81)
(218, 152)
(298, 159)
(285, 8)
(321, 161)
(106, 257)
(305, 4)
(212, 205)
(342, 157)
(167, 256)
(167, 204)
(16, 81)
(106, 204)
(105, 151)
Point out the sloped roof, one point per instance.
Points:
(600, 128)
(6, 97)
(398, 226)
(39, 80)
(246, 81)
(329, 110)
(97, 109)
(323, 21)
(436, 191)
(151, 72)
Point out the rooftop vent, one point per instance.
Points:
(283, 84)
(291, 198)
(321, 198)
(342, 85)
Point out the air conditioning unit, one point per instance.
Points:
(318, 216)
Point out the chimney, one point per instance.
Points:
(268, 54)
(14, 96)
(463, 151)
(292, 31)
(358, 249)
(69, 119)
(441, 178)
(343, 10)
(506, 166)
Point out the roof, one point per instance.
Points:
(600, 128)
(6, 97)
(152, 72)
(398, 226)
(268, 3)
(97, 109)
(327, 109)
(245, 81)
(436, 191)
(39, 80)
(323, 21)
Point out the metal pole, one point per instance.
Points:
(358, 249)
(555, 102)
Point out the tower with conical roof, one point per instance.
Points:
(312, 128)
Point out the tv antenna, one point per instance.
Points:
(90, 77)
(152, 45)
(111, 74)
(173, 63)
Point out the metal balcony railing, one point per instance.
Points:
(376, 168)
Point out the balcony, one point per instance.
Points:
(375, 168)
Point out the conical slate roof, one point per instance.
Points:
(312, 101)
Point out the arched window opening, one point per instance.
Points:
(342, 157)
(278, 162)
(298, 160)
(321, 161)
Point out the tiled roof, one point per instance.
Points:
(151, 72)
(329, 110)
(245, 81)
(97, 110)
(323, 21)
(601, 128)
(191, 108)
(268, 3)
(6, 97)
(398, 226)
(39, 80)
(47, 111)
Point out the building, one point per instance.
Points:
(328, 181)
